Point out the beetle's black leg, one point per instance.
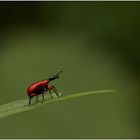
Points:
(36, 97)
(43, 97)
(50, 94)
(55, 90)
(30, 100)
(58, 94)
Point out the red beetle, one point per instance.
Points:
(41, 87)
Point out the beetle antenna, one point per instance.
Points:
(59, 73)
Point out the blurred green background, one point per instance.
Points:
(98, 46)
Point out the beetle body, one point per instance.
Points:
(41, 87)
(37, 88)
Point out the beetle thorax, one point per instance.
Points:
(45, 82)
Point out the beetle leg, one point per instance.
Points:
(30, 100)
(55, 90)
(50, 94)
(36, 97)
(43, 97)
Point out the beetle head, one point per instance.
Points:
(53, 77)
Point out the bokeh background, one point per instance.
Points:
(98, 46)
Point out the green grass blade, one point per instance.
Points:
(22, 105)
